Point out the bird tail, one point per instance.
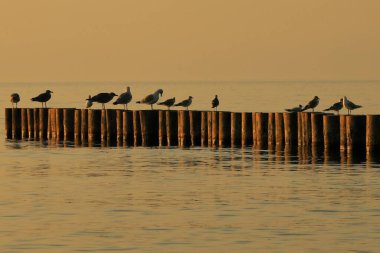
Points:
(328, 109)
(89, 98)
(138, 102)
(115, 103)
(33, 99)
(160, 103)
(288, 110)
(305, 108)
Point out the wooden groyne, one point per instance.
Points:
(347, 133)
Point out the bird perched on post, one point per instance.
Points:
(124, 99)
(295, 109)
(102, 98)
(312, 104)
(350, 105)
(89, 101)
(151, 98)
(15, 98)
(336, 107)
(185, 103)
(43, 97)
(215, 103)
(169, 102)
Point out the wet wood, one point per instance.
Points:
(24, 124)
(68, 124)
(373, 134)
(306, 128)
(78, 126)
(184, 139)
(204, 129)
(8, 123)
(215, 129)
(343, 134)
(224, 129)
(94, 126)
(300, 129)
(59, 124)
(271, 130)
(254, 134)
(119, 127)
(128, 138)
(280, 134)
(317, 129)
(195, 128)
(261, 129)
(30, 122)
(43, 120)
(356, 133)
(53, 131)
(16, 123)
(246, 129)
(291, 129)
(172, 128)
(236, 129)
(331, 132)
(162, 134)
(36, 115)
(209, 129)
(136, 128)
(149, 128)
(84, 126)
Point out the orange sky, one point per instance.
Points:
(118, 40)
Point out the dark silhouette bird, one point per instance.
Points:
(15, 98)
(312, 104)
(151, 98)
(336, 107)
(43, 97)
(124, 98)
(169, 102)
(89, 102)
(215, 103)
(295, 109)
(350, 105)
(185, 103)
(102, 98)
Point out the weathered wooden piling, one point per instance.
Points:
(271, 130)
(331, 132)
(103, 126)
(24, 123)
(236, 129)
(317, 129)
(356, 133)
(195, 128)
(84, 126)
(224, 129)
(261, 130)
(30, 115)
(291, 128)
(128, 138)
(136, 128)
(149, 127)
(204, 129)
(172, 128)
(300, 129)
(280, 134)
(43, 120)
(254, 132)
(373, 134)
(246, 129)
(59, 124)
(119, 127)
(36, 115)
(209, 129)
(16, 123)
(53, 121)
(49, 127)
(162, 134)
(343, 132)
(94, 126)
(68, 124)
(215, 129)
(306, 128)
(8, 123)
(184, 139)
(110, 131)
(77, 126)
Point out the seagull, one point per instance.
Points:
(124, 98)
(215, 103)
(350, 105)
(152, 98)
(169, 102)
(102, 98)
(89, 102)
(312, 104)
(336, 107)
(43, 97)
(295, 109)
(15, 98)
(185, 103)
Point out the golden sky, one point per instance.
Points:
(146, 40)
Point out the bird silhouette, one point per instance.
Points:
(43, 97)
(124, 98)
(215, 103)
(151, 98)
(312, 104)
(169, 102)
(102, 98)
(350, 105)
(335, 107)
(295, 109)
(185, 103)
(15, 98)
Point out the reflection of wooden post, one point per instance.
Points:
(209, 129)
(343, 135)
(149, 127)
(373, 133)
(163, 138)
(184, 139)
(77, 126)
(331, 129)
(128, 138)
(16, 123)
(317, 129)
(236, 129)
(68, 124)
(271, 130)
(172, 127)
(291, 128)
(224, 129)
(215, 128)
(84, 125)
(136, 128)
(94, 118)
(59, 124)
(246, 129)
(8, 123)
(119, 127)
(43, 123)
(195, 127)
(204, 129)
(24, 123)
(31, 123)
(36, 115)
(261, 130)
(279, 122)
(356, 133)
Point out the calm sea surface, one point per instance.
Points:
(65, 199)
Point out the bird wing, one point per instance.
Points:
(147, 99)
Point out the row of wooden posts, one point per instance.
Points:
(195, 128)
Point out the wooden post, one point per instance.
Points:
(291, 128)
(224, 129)
(246, 129)
(261, 130)
(59, 124)
(195, 127)
(8, 123)
(78, 126)
(94, 126)
(36, 115)
(331, 132)
(300, 129)
(215, 128)
(128, 138)
(236, 129)
(254, 132)
(163, 138)
(53, 128)
(204, 129)
(49, 126)
(279, 122)
(306, 128)
(317, 129)
(136, 128)
(103, 126)
(43, 123)
(119, 127)
(84, 126)
(373, 133)
(343, 132)
(30, 115)
(111, 126)
(24, 123)
(271, 130)
(184, 139)
(68, 124)
(149, 128)
(16, 123)
(356, 133)
(172, 128)
(209, 129)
